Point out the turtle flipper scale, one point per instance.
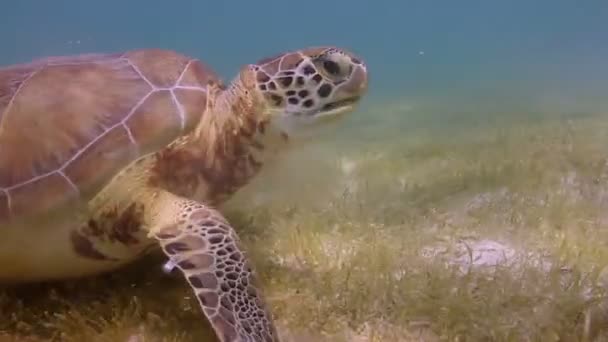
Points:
(204, 246)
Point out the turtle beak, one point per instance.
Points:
(336, 108)
(348, 94)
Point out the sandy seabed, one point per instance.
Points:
(495, 232)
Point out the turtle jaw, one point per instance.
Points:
(302, 125)
(337, 108)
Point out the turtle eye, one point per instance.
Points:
(331, 67)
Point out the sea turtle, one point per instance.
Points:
(106, 156)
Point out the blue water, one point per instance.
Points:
(495, 56)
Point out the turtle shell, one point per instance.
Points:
(69, 124)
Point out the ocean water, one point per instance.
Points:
(432, 64)
(495, 57)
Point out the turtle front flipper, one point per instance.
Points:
(203, 245)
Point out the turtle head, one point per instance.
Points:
(301, 89)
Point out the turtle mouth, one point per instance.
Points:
(340, 106)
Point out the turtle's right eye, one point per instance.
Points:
(331, 67)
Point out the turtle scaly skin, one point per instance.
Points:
(104, 157)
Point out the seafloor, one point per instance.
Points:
(492, 229)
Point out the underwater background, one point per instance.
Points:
(483, 143)
(501, 56)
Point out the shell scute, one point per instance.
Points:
(157, 120)
(198, 74)
(4, 206)
(45, 192)
(58, 111)
(193, 103)
(9, 84)
(106, 155)
(162, 68)
(69, 124)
